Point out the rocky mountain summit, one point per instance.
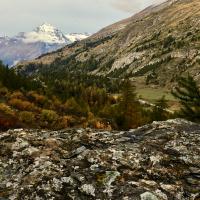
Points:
(160, 161)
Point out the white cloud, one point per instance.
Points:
(68, 15)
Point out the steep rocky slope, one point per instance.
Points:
(153, 47)
(160, 161)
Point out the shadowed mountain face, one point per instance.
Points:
(13, 51)
(160, 161)
(153, 47)
(29, 45)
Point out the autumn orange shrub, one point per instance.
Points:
(17, 95)
(63, 122)
(6, 109)
(99, 124)
(102, 125)
(8, 122)
(22, 105)
(37, 98)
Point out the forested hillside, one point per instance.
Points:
(93, 82)
(75, 101)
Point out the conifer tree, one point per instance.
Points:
(188, 94)
(159, 112)
(129, 108)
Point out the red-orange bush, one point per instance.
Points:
(8, 122)
(22, 105)
(37, 98)
(17, 95)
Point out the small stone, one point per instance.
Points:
(161, 195)
(148, 196)
(88, 189)
(79, 150)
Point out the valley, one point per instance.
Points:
(154, 47)
(149, 52)
(109, 116)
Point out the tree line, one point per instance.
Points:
(78, 100)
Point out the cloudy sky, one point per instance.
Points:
(67, 15)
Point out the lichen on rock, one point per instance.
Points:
(159, 161)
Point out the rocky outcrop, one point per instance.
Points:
(160, 161)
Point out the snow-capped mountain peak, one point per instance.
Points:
(45, 33)
(46, 27)
(29, 45)
(49, 34)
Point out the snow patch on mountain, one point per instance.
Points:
(77, 36)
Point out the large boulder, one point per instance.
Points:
(160, 161)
